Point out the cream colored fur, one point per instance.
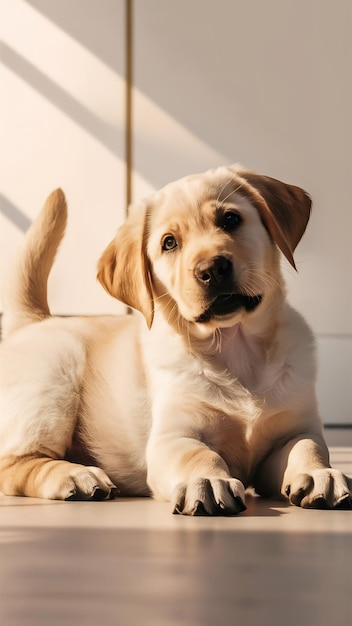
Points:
(209, 391)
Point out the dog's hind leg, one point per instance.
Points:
(44, 477)
(42, 367)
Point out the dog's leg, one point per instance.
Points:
(194, 477)
(301, 471)
(44, 477)
(41, 374)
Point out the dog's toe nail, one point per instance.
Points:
(199, 508)
(71, 496)
(319, 502)
(345, 502)
(98, 493)
(241, 505)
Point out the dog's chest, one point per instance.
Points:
(245, 360)
(249, 392)
(263, 375)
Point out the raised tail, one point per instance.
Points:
(25, 290)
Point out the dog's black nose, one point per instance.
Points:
(213, 271)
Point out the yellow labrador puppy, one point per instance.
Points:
(209, 391)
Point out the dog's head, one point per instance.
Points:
(206, 247)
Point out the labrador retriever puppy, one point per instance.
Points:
(208, 392)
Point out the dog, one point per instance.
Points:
(209, 390)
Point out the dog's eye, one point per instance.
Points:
(231, 220)
(169, 243)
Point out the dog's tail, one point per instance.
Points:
(25, 291)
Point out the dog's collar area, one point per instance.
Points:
(229, 303)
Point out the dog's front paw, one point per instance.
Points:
(321, 489)
(209, 496)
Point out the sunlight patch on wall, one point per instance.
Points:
(166, 150)
(62, 125)
(62, 59)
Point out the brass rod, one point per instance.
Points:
(128, 105)
(129, 96)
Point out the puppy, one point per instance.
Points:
(209, 391)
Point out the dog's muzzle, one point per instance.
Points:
(228, 304)
(216, 275)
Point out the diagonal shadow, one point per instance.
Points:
(108, 17)
(107, 134)
(105, 16)
(14, 214)
(99, 17)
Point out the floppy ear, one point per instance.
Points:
(284, 209)
(123, 268)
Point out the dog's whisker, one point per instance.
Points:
(273, 282)
(222, 188)
(188, 338)
(259, 277)
(232, 191)
(217, 338)
(173, 313)
(228, 195)
(161, 296)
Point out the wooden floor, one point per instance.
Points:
(130, 563)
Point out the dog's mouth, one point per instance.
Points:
(227, 304)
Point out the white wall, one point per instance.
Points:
(216, 81)
(266, 84)
(62, 124)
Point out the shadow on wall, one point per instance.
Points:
(107, 134)
(230, 73)
(94, 26)
(87, 29)
(222, 95)
(86, 22)
(162, 153)
(14, 214)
